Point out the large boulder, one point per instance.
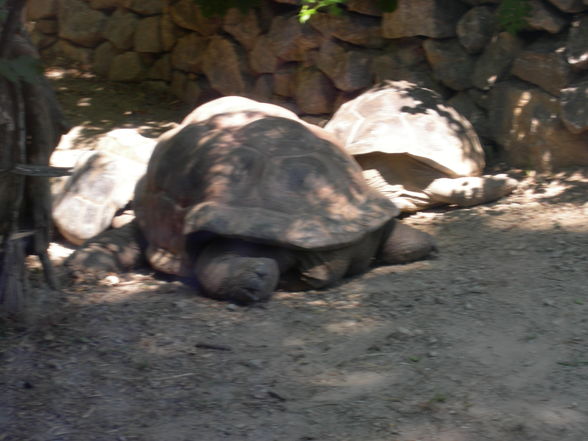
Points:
(81, 24)
(525, 122)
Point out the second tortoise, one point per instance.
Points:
(416, 149)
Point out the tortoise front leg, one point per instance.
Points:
(238, 271)
(403, 244)
(112, 251)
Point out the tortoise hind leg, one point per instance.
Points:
(113, 251)
(405, 244)
(238, 271)
(470, 190)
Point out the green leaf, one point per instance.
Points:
(388, 5)
(512, 15)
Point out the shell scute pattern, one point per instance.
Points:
(271, 180)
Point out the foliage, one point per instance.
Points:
(512, 15)
(310, 7)
(218, 8)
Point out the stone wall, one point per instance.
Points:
(526, 93)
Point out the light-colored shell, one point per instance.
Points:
(401, 118)
(102, 182)
(268, 179)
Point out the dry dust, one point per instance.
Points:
(488, 341)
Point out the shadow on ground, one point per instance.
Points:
(486, 342)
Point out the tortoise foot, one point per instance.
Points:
(113, 251)
(406, 244)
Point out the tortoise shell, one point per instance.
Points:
(253, 176)
(403, 119)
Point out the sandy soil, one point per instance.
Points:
(488, 341)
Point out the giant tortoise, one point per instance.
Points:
(245, 200)
(415, 148)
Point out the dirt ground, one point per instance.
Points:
(488, 341)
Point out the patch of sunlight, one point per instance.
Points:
(552, 414)
(352, 384)
(84, 102)
(58, 252)
(347, 327)
(68, 141)
(571, 221)
(293, 342)
(558, 416)
(425, 433)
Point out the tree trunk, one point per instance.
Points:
(31, 124)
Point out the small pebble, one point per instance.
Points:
(111, 280)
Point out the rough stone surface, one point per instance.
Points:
(120, 29)
(268, 53)
(103, 57)
(79, 54)
(357, 29)
(106, 4)
(261, 58)
(263, 88)
(569, 5)
(543, 18)
(367, 7)
(178, 83)
(191, 92)
(285, 80)
(42, 40)
(126, 67)
(161, 69)
(47, 26)
(170, 33)
(244, 27)
(38, 9)
(348, 70)
(186, 14)
(465, 105)
(495, 61)
(451, 64)
(525, 122)
(476, 27)
(404, 59)
(314, 92)
(429, 18)
(224, 66)
(80, 24)
(577, 49)
(290, 40)
(544, 64)
(189, 52)
(147, 36)
(574, 107)
(144, 7)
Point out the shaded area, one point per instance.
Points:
(486, 342)
(94, 106)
